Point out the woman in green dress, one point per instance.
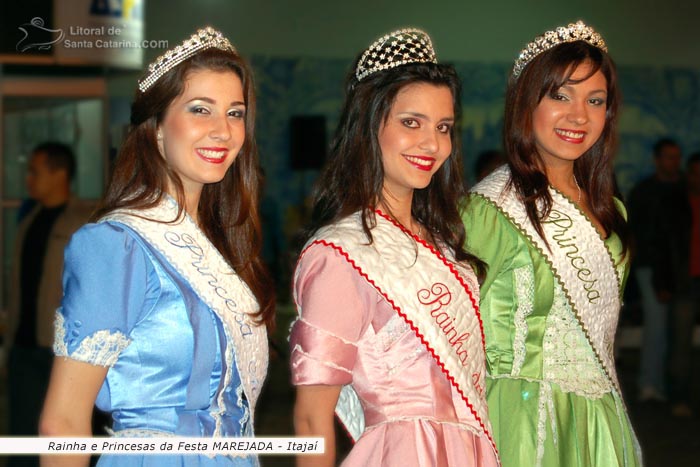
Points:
(555, 241)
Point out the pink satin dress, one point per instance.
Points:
(348, 334)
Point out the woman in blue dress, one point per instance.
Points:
(163, 320)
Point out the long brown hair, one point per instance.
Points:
(228, 210)
(356, 153)
(544, 75)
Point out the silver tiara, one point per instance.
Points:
(397, 48)
(203, 39)
(571, 33)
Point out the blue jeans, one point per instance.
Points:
(652, 366)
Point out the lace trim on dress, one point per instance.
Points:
(386, 337)
(197, 260)
(435, 421)
(578, 257)
(568, 359)
(322, 331)
(551, 412)
(101, 348)
(59, 341)
(545, 407)
(246, 427)
(300, 349)
(394, 366)
(392, 331)
(524, 278)
(138, 433)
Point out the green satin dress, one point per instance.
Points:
(550, 401)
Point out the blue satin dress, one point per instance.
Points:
(126, 308)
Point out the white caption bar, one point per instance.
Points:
(162, 445)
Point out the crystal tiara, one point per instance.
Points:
(570, 33)
(397, 48)
(203, 39)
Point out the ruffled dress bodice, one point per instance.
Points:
(162, 344)
(348, 334)
(550, 401)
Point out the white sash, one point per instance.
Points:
(193, 256)
(579, 259)
(435, 296)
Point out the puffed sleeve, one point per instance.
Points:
(489, 237)
(335, 308)
(495, 241)
(104, 292)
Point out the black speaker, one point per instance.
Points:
(307, 141)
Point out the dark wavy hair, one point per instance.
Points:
(353, 177)
(59, 156)
(544, 75)
(228, 210)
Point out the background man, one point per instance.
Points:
(36, 289)
(659, 216)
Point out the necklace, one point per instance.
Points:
(578, 201)
(418, 234)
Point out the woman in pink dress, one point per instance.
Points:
(389, 335)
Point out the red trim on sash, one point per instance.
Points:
(408, 321)
(451, 267)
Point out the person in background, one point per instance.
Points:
(389, 334)
(554, 239)
(685, 309)
(35, 288)
(163, 320)
(659, 218)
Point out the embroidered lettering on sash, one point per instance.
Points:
(436, 298)
(201, 265)
(578, 257)
(443, 313)
(567, 242)
(216, 283)
(478, 384)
